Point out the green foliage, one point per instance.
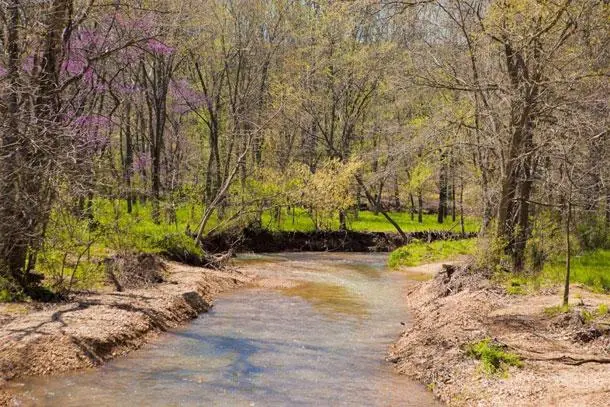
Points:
(490, 253)
(593, 233)
(590, 268)
(556, 310)
(69, 257)
(587, 316)
(417, 252)
(180, 247)
(366, 221)
(6, 295)
(602, 310)
(516, 286)
(9, 291)
(494, 359)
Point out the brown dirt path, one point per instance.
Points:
(93, 328)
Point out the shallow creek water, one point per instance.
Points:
(315, 333)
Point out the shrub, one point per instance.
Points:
(9, 291)
(134, 270)
(516, 287)
(593, 233)
(180, 247)
(494, 359)
(556, 310)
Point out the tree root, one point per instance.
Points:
(568, 360)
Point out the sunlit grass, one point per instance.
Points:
(417, 253)
(590, 268)
(366, 221)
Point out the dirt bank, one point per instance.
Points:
(264, 241)
(93, 328)
(566, 356)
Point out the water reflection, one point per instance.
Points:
(333, 300)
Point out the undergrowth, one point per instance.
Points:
(417, 252)
(494, 359)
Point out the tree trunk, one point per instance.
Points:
(566, 289)
(462, 208)
(523, 229)
(420, 206)
(412, 199)
(342, 221)
(128, 165)
(373, 202)
(160, 84)
(442, 195)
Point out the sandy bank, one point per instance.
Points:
(566, 357)
(94, 328)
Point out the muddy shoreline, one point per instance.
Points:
(264, 241)
(94, 328)
(566, 356)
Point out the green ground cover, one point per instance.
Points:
(589, 268)
(75, 246)
(417, 253)
(366, 221)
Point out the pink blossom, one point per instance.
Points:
(157, 47)
(74, 66)
(141, 162)
(28, 64)
(186, 97)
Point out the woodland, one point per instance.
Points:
(148, 126)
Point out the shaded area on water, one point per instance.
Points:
(319, 340)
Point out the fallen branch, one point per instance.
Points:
(568, 360)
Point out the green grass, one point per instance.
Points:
(417, 253)
(366, 221)
(556, 310)
(494, 359)
(67, 251)
(591, 269)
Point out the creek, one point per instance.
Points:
(314, 331)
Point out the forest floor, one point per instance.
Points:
(554, 356)
(39, 339)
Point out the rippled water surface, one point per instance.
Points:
(316, 336)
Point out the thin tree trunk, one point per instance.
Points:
(462, 208)
(412, 199)
(342, 221)
(420, 206)
(442, 194)
(372, 201)
(566, 289)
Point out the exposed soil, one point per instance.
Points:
(566, 356)
(37, 339)
(264, 241)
